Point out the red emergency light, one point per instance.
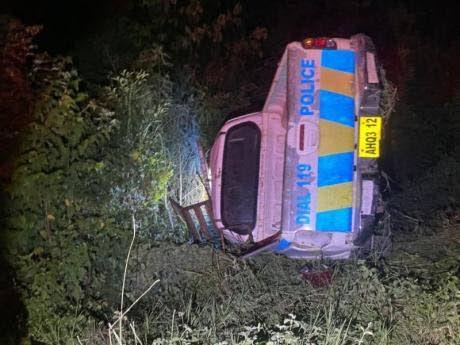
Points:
(319, 43)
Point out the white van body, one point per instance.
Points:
(302, 172)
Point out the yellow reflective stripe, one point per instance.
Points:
(336, 81)
(336, 196)
(335, 138)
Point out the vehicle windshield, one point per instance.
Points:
(240, 178)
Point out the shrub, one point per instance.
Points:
(56, 225)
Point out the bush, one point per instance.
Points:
(56, 227)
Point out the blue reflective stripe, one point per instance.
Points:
(336, 168)
(341, 60)
(282, 245)
(336, 107)
(338, 220)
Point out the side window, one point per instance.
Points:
(240, 178)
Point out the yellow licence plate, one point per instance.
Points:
(370, 129)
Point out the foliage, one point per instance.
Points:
(15, 90)
(16, 97)
(56, 231)
(85, 166)
(137, 164)
(82, 171)
(154, 154)
(209, 41)
(205, 47)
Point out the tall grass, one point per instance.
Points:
(207, 297)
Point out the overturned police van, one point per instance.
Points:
(299, 177)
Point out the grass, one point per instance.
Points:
(208, 297)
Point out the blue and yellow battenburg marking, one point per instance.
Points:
(336, 148)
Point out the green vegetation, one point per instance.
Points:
(209, 297)
(88, 165)
(55, 231)
(97, 155)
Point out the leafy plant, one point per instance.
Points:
(55, 203)
(137, 161)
